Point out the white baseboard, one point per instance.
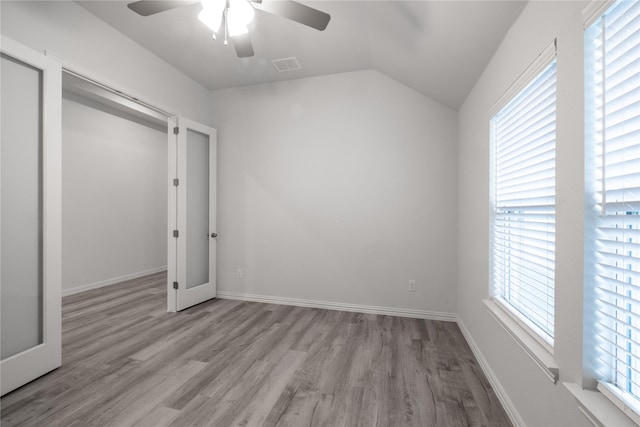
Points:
(113, 281)
(371, 309)
(502, 395)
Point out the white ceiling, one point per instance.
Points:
(438, 48)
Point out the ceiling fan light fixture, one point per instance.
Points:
(240, 13)
(211, 14)
(235, 26)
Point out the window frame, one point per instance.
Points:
(521, 329)
(595, 217)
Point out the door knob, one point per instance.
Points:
(214, 235)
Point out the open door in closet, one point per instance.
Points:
(30, 215)
(192, 214)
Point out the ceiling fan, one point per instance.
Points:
(231, 17)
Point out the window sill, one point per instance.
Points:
(624, 402)
(598, 409)
(536, 351)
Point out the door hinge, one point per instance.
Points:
(176, 182)
(176, 130)
(175, 285)
(176, 233)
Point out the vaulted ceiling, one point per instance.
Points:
(438, 48)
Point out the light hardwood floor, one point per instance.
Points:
(126, 361)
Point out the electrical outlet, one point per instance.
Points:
(412, 285)
(239, 273)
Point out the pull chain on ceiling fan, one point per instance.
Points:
(232, 17)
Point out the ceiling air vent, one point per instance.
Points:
(286, 64)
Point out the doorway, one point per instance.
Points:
(114, 194)
(119, 220)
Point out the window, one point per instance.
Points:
(523, 217)
(612, 78)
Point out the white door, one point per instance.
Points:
(192, 214)
(30, 212)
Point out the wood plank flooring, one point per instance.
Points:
(126, 361)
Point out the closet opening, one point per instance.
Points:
(114, 187)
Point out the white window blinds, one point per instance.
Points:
(523, 219)
(613, 116)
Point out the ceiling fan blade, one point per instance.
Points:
(243, 46)
(151, 7)
(296, 12)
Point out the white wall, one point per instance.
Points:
(78, 37)
(337, 188)
(539, 402)
(114, 194)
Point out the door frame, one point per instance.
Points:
(30, 364)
